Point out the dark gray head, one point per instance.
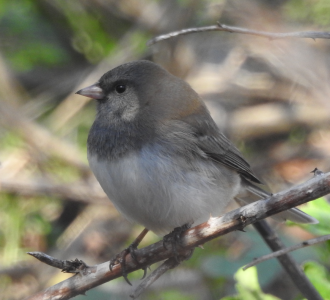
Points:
(141, 90)
(134, 100)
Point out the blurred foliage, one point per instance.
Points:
(30, 40)
(307, 11)
(320, 209)
(89, 36)
(50, 201)
(24, 223)
(248, 287)
(319, 276)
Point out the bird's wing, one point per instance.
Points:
(220, 149)
(215, 145)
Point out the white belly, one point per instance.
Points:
(161, 193)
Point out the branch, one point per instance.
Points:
(67, 266)
(40, 138)
(170, 263)
(232, 29)
(288, 263)
(73, 191)
(237, 219)
(304, 244)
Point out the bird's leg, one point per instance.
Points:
(121, 257)
(173, 238)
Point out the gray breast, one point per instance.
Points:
(162, 192)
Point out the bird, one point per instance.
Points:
(158, 154)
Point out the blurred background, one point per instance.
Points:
(270, 97)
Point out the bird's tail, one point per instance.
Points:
(292, 214)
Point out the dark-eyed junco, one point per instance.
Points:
(158, 154)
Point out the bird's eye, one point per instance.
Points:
(120, 88)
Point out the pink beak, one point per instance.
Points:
(93, 91)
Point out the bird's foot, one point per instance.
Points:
(173, 238)
(131, 249)
(121, 259)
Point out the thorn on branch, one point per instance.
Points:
(243, 221)
(317, 172)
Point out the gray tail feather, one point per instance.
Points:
(292, 214)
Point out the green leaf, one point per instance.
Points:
(317, 12)
(248, 287)
(319, 209)
(319, 276)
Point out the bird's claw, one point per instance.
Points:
(121, 259)
(144, 273)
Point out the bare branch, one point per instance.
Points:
(237, 219)
(67, 266)
(232, 29)
(169, 264)
(40, 138)
(73, 191)
(181, 32)
(162, 269)
(307, 243)
(292, 268)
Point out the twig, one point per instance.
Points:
(40, 138)
(214, 227)
(164, 267)
(232, 29)
(307, 243)
(181, 32)
(249, 122)
(67, 266)
(19, 271)
(75, 192)
(288, 263)
(169, 264)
